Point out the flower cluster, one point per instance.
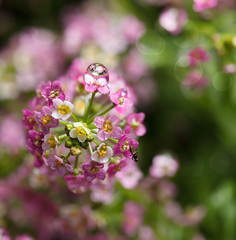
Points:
(83, 147)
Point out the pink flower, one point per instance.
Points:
(114, 168)
(121, 100)
(34, 142)
(163, 166)
(195, 80)
(201, 5)
(52, 90)
(77, 184)
(28, 120)
(133, 29)
(45, 119)
(173, 20)
(57, 163)
(123, 147)
(108, 127)
(93, 170)
(197, 55)
(96, 77)
(135, 124)
(129, 176)
(133, 217)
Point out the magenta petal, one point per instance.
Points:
(45, 129)
(117, 150)
(127, 129)
(90, 88)
(38, 116)
(134, 143)
(101, 174)
(56, 85)
(98, 121)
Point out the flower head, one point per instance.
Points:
(62, 109)
(197, 55)
(35, 141)
(59, 165)
(108, 127)
(45, 119)
(80, 132)
(201, 5)
(96, 78)
(114, 168)
(50, 141)
(28, 119)
(103, 153)
(121, 100)
(93, 170)
(123, 147)
(51, 91)
(173, 20)
(135, 124)
(163, 166)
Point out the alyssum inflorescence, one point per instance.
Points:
(82, 141)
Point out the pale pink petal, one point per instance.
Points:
(82, 138)
(102, 135)
(95, 156)
(89, 79)
(98, 121)
(117, 133)
(56, 114)
(104, 90)
(141, 130)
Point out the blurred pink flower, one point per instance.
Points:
(201, 5)
(133, 217)
(195, 80)
(163, 166)
(173, 20)
(197, 55)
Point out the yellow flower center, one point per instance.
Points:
(125, 146)
(58, 163)
(94, 169)
(135, 124)
(121, 100)
(103, 151)
(107, 126)
(80, 131)
(51, 142)
(46, 120)
(63, 109)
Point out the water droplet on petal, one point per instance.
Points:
(99, 72)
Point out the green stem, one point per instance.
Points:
(113, 140)
(75, 117)
(67, 156)
(63, 122)
(101, 113)
(62, 136)
(95, 141)
(88, 109)
(76, 161)
(109, 144)
(90, 149)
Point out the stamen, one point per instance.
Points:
(46, 120)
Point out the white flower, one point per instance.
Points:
(103, 153)
(80, 132)
(63, 109)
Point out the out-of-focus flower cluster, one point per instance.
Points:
(123, 207)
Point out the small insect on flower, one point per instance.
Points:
(134, 153)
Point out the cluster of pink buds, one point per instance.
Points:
(83, 147)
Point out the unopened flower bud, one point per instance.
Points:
(75, 150)
(69, 127)
(68, 144)
(84, 145)
(90, 137)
